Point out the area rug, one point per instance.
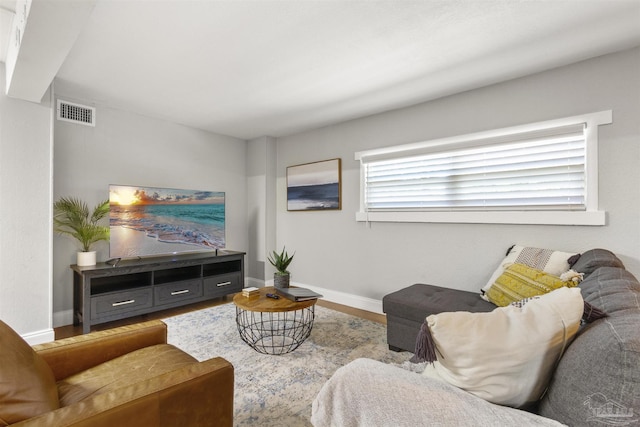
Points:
(279, 390)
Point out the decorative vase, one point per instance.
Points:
(281, 280)
(86, 259)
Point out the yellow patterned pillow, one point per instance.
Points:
(519, 281)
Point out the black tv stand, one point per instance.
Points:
(118, 288)
(114, 261)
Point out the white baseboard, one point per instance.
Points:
(355, 301)
(39, 337)
(253, 282)
(350, 300)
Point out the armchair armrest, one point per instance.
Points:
(200, 394)
(76, 354)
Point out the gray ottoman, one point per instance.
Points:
(407, 308)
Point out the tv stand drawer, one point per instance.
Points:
(105, 306)
(176, 292)
(222, 284)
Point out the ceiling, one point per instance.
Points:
(255, 68)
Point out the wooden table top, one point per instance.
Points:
(269, 305)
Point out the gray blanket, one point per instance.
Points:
(370, 393)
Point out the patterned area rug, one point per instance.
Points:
(279, 390)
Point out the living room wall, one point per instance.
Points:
(25, 206)
(130, 149)
(360, 263)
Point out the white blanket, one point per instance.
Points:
(370, 393)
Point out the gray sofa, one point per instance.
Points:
(596, 382)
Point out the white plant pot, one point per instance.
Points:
(86, 259)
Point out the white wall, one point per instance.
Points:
(25, 215)
(339, 255)
(130, 149)
(261, 215)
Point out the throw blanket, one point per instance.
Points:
(370, 393)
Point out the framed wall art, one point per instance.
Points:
(315, 186)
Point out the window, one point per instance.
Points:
(541, 173)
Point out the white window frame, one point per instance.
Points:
(591, 216)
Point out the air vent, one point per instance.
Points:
(76, 113)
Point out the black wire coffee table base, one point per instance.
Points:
(275, 332)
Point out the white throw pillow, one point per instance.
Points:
(547, 260)
(506, 356)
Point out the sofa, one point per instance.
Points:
(595, 379)
(127, 376)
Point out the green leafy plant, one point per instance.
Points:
(281, 261)
(71, 216)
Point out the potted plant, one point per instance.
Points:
(281, 261)
(72, 217)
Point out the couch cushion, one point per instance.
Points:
(27, 385)
(600, 370)
(129, 369)
(613, 290)
(547, 260)
(506, 356)
(519, 281)
(418, 301)
(593, 259)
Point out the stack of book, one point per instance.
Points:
(250, 292)
(298, 294)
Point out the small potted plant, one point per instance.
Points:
(71, 216)
(281, 261)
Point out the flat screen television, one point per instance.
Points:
(152, 221)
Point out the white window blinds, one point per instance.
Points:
(536, 170)
(539, 173)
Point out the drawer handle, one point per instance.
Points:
(184, 291)
(223, 284)
(116, 304)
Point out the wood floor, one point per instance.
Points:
(70, 330)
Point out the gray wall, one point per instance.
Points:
(130, 149)
(336, 253)
(261, 206)
(333, 251)
(25, 215)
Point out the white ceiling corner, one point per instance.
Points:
(254, 68)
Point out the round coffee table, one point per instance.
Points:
(273, 326)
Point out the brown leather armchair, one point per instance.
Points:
(126, 376)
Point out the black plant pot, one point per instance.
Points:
(281, 280)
